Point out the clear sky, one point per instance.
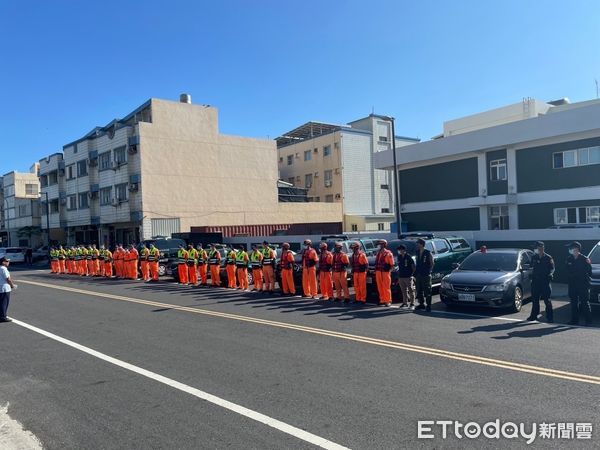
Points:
(269, 66)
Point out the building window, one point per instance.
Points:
(354, 227)
(308, 180)
(329, 198)
(385, 186)
(82, 168)
(383, 138)
(586, 214)
(498, 170)
(328, 178)
(120, 156)
(327, 150)
(71, 172)
(280, 159)
(579, 157)
(290, 160)
(498, 216)
(104, 161)
(106, 196)
(385, 210)
(291, 180)
(44, 180)
(23, 211)
(121, 192)
(84, 202)
(31, 189)
(317, 199)
(52, 178)
(307, 155)
(380, 227)
(71, 202)
(53, 206)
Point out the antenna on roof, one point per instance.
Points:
(372, 109)
(596, 80)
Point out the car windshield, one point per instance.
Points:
(595, 255)
(490, 262)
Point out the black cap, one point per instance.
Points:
(401, 247)
(421, 241)
(575, 244)
(4, 259)
(538, 244)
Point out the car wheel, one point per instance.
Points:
(518, 300)
(250, 278)
(162, 269)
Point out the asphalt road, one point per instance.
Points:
(355, 377)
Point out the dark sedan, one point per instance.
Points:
(495, 278)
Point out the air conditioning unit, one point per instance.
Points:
(338, 196)
(328, 183)
(132, 150)
(337, 171)
(316, 174)
(133, 187)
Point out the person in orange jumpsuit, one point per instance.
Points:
(214, 262)
(384, 263)
(90, 261)
(101, 266)
(145, 262)
(182, 256)
(268, 270)
(132, 267)
(256, 263)
(53, 260)
(230, 266)
(96, 260)
(287, 270)
(118, 257)
(202, 265)
(309, 270)
(153, 262)
(340, 276)
(192, 264)
(325, 266)
(62, 258)
(70, 260)
(359, 264)
(108, 263)
(241, 264)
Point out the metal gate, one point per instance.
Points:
(165, 227)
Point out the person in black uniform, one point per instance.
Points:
(423, 275)
(406, 271)
(541, 278)
(579, 272)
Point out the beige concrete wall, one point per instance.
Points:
(190, 171)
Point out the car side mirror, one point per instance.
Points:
(455, 265)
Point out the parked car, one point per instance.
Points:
(495, 278)
(595, 288)
(446, 252)
(173, 268)
(15, 254)
(41, 253)
(168, 248)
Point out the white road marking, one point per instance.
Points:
(269, 421)
(12, 434)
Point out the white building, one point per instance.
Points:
(20, 225)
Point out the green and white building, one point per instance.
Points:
(530, 165)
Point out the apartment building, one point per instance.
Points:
(528, 165)
(166, 168)
(335, 164)
(20, 218)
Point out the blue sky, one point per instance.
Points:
(269, 66)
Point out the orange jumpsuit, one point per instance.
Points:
(153, 263)
(145, 264)
(214, 261)
(108, 265)
(340, 280)
(326, 281)
(101, 267)
(230, 266)
(118, 257)
(202, 266)
(309, 272)
(269, 259)
(54, 266)
(132, 266)
(182, 256)
(96, 261)
(287, 273)
(62, 257)
(192, 267)
(91, 266)
(241, 263)
(256, 259)
(360, 265)
(384, 262)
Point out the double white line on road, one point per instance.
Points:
(536, 370)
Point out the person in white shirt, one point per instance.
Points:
(6, 286)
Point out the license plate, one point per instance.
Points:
(466, 297)
(369, 280)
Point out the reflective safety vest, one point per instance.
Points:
(192, 257)
(61, 254)
(88, 254)
(108, 256)
(231, 257)
(144, 254)
(182, 256)
(256, 258)
(54, 255)
(101, 254)
(202, 256)
(268, 257)
(240, 259)
(382, 260)
(213, 257)
(324, 261)
(153, 254)
(357, 266)
(340, 261)
(285, 263)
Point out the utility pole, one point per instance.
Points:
(396, 186)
